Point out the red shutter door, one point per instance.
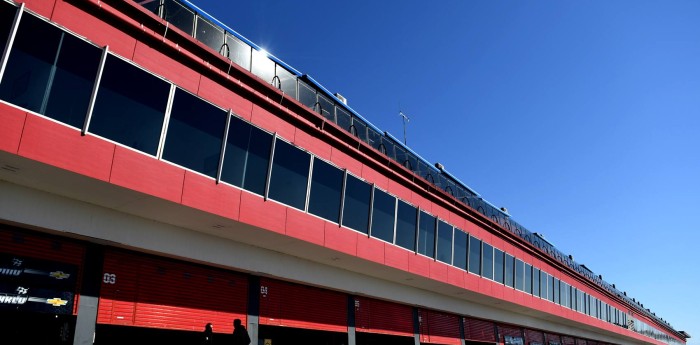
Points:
(479, 330)
(299, 306)
(509, 331)
(565, 340)
(533, 336)
(375, 316)
(439, 328)
(553, 338)
(47, 267)
(160, 293)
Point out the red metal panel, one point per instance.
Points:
(158, 293)
(340, 239)
(145, 174)
(264, 214)
(479, 330)
(305, 227)
(370, 248)
(375, 316)
(12, 120)
(42, 7)
(396, 257)
(203, 193)
(218, 94)
(161, 64)
(508, 331)
(299, 306)
(272, 123)
(56, 144)
(534, 336)
(553, 338)
(96, 30)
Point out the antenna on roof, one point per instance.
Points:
(405, 119)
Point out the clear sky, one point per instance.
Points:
(581, 117)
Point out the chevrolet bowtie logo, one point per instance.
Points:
(59, 275)
(56, 302)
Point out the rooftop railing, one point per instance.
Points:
(206, 29)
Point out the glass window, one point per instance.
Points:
(564, 293)
(426, 235)
(474, 255)
(536, 282)
(247, 156)
(374, 139)
(327, 108)
(50, 72)
(195, 133)
(356, 204)
(406, 216)
(130, 106)
(7, 17)
(519, 274)
(510, 270)
(544, 278)
(460, 248)
(555, 291)
(550, 286)
(288, 81)
(360, 129)
(383, 213)
(390, 147)
(239, 52)
(444, 245)
(487, 261)
(344, 119)
(307, 95)
(209, 34)
(528, 278)
(326, 191)
(498, 267)
(290, 175)
(262, 66)
(179, 15)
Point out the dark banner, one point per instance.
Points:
(32, 285)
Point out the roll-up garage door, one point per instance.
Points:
(510, 335)
(39, 273)
(439, 328)
(479, 330)
(566, 340)
(144, 291)
(553, 339)
(299, 306)
(534, 337)
(375, 316)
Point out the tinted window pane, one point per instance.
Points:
(307, 95)
(359, 129)
(239, 52)
(179, 15)
(54, 78)
(519, 271)
(326, 191)
(498, 265)
(344, 119)
(460, 248)
(209, 34)
(444, 245)
(327, 108)
(550, 288)
(374, 139)
(536, 281)
(383, 216)
(406, 226)
(247, 156)
(426, 235)
(528, 278)
(510, 270)
(130, 106)
(487, 261)
(564, 294)
(7, 16)
(262, 66)
(195, 133)
(356, 204)
(543, 284)
(474, 255)
(556, 290)
(290, 173)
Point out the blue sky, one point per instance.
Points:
(581, 117)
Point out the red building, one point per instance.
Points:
(158, 172)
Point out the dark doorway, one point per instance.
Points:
(363, 338)
(272, 335)
(36, 328)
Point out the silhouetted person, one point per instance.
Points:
(208, 334)
(240, 335)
